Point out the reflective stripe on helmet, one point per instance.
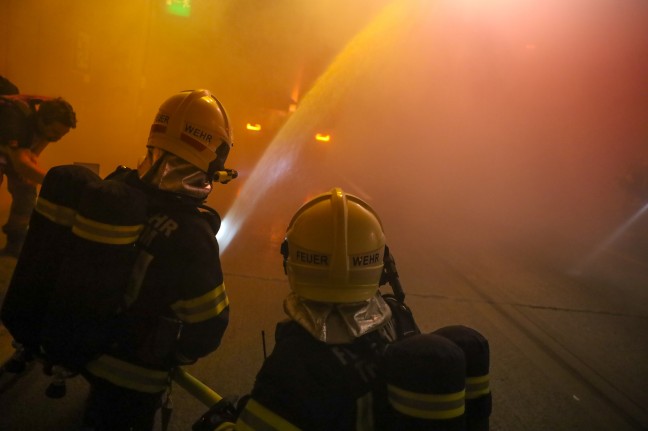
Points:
(195, 143)
(339, 260)
(257, 417)
(209, 305)
(58, 214)
(105, 233)
(127, 375)
(427, 406)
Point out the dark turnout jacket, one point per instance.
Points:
(178, 309)
(310, 385)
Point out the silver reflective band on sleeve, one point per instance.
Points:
(427, 406)
(105, 233)
(127, 375)
(477, 386)
(203, 308)
(58, 214)
(256, 417)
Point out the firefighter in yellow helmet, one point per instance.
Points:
(321, 374)
(176, 307)
(349, 357)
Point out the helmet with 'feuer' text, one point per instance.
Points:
(334, 249)
(194, 126)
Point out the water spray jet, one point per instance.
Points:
(605, 245)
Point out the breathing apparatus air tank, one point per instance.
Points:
(47, 242)
(80, 320)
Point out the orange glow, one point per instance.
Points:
(517, 97)
(322, 137)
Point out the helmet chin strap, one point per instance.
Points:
(285, 254)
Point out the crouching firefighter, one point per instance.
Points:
(349, 357)
(322, 372)
(175, 308)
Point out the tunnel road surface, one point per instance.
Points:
(567, 353)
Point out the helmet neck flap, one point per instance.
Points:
(167, 172)
(339, 323)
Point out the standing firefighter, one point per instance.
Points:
(176, 308)
(27, 125)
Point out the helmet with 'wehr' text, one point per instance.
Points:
(334, 249)
(194, 126)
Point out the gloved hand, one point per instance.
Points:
(222, 416)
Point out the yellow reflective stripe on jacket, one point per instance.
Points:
(59, 214)
(477, 386)
(127, 375)
(105, 233)
(209, 305)
(256, 417)
(365, 413)
(427, 406)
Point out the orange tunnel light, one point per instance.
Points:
(321, 137)
(253, 127)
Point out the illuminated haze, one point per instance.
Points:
(464, 123)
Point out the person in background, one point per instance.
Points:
(27, 125)
(7, 87)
